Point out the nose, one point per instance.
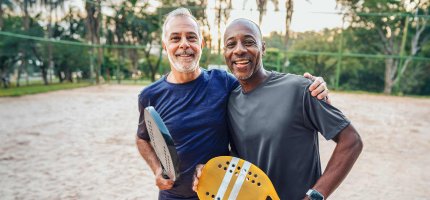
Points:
(184, 43)
(239, 49)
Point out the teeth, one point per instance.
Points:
(242, 62)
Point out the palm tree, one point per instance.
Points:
(262, 7)
(223, 12)
(289, 6)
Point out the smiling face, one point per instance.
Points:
(182, 44)
(243, 49)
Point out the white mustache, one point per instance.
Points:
(186, 52)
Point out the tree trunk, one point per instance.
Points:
(134, 59)
(92, 24)
(5, 78)
(151, 67)
(60, 76)
(69, 76)
(44, 75)
(1, 15)
(51, 64)
(50, 57)
(388, 86)
(99, 62)
(157, 65)
(261, 4)
(154, 68)
(289, 6)
(121, 64)
(23, 51)
(21, 66)
(108, 75)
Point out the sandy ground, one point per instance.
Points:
(79, 144)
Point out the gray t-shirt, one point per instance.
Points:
(275, 127)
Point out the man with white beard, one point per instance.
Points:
(193, 104)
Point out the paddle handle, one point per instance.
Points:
(164, 174)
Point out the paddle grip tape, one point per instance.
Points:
(239, 181)
(227, 177)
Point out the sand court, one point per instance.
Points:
(80, 144)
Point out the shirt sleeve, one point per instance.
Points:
(142, 132)
(322, 117)
(232, 82)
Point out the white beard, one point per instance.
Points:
(184, 69)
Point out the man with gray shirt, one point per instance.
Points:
(275, 122)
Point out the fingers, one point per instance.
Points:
(162, 183)
(197, 174)
(328, 100)
(308, 76)
(199, 169)
(195, 183)
(323, 95)
(319, 89)
(317, 86)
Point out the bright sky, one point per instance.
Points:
(308, 15)
(305, 15)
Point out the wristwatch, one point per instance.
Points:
(314, 195)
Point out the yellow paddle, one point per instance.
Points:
(227, 177)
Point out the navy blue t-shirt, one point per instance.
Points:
(195, 114)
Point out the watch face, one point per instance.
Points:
(316, 195)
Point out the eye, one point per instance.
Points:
(230, 45)
(249, 42)
(192, 38)
(175, 38)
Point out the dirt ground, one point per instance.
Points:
(79, 144)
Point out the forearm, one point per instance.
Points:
(348, 148)
(148, 154)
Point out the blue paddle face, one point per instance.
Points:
(162, 142)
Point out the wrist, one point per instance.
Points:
(313, 194)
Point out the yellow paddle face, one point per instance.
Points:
(227, 177)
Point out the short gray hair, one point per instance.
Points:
(183, 12)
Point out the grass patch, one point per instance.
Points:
(39, 88)
(133, 82)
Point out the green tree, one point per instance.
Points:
(393, 34)
(9, 49)
(322, 65)
(25, 5)
(69, 58)
(135, 25)
(8, 5)
(51, 5)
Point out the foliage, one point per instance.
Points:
(134, 23)
(403, 32)
(35, 89)
(321, 65)
(273, 59)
